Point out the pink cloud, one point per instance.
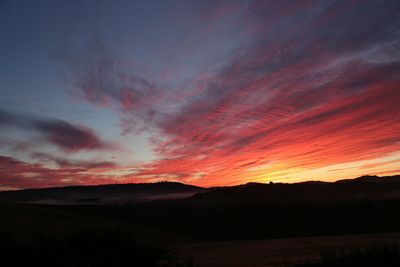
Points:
(19, 175)
(306, 91)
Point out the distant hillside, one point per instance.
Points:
(372, 179)
(115, 193)
(365, 187)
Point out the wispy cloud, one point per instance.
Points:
(17, 174)
(99, 77)
(313, 84)
(318, 86)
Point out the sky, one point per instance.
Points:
(208, 93)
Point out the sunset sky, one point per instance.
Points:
(202, 92)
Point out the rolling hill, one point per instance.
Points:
(365, 187)
(102, 194)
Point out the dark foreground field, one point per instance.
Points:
(250, 225)
(171, 233)
(342, 250)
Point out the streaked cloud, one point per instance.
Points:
(270, 90)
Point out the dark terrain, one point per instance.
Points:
(102, 194)
(208, 220)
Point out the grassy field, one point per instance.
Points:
(221, 235)
(288, 251)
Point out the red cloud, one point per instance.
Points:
(18, 175)
(317, 85)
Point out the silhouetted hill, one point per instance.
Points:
(115, 193)
(246, 212)
(372, 179)
(365, 187)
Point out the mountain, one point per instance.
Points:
(102, 194)
(362, 188)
